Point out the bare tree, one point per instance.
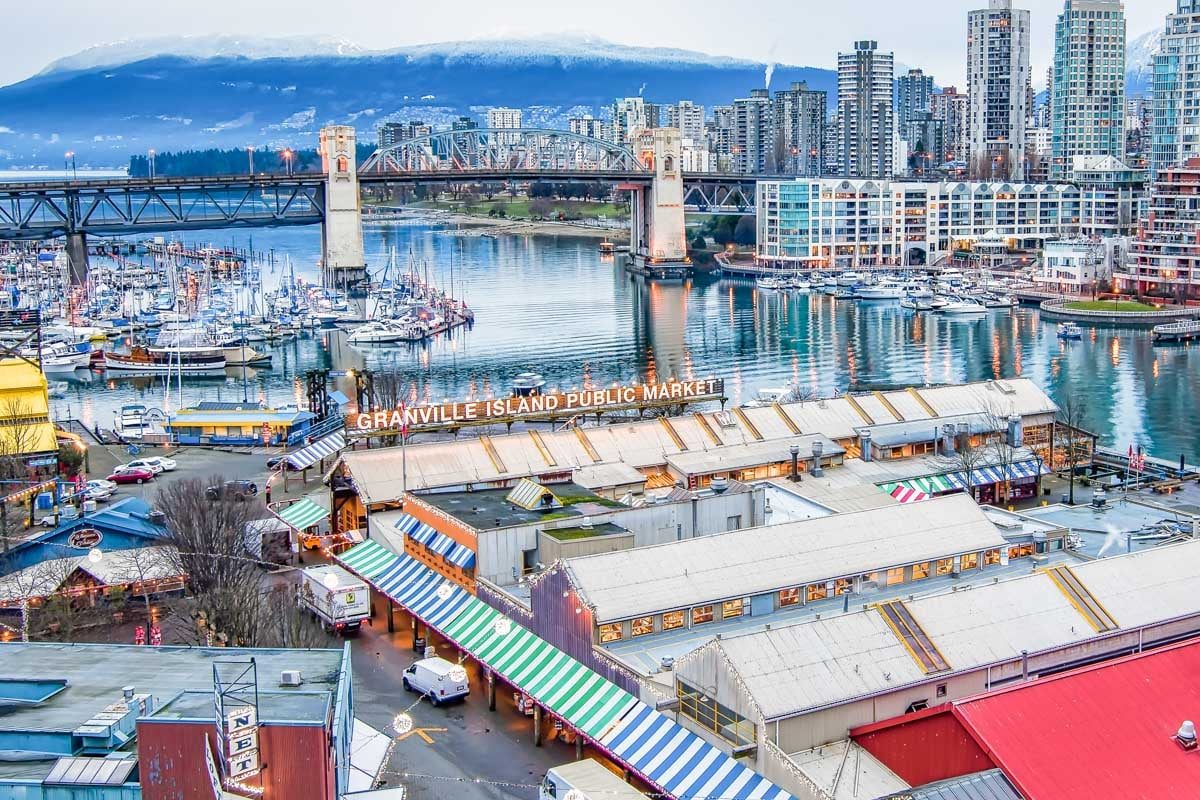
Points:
(969, 454)
(18, 438)
(229, 594)
(25, 586)
(1071, 441)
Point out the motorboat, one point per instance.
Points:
(962, 306)
(1069, 330)
(379, 332)
(770, 283)
(998, 301)
(800, 285)
(916, 304)
(849, 278)
(886, 289)
(57, 389)
(939, 302)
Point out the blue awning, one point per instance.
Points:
(996, 474)
(436, 542)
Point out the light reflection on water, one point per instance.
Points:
(554, 306)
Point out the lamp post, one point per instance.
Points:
(287, 161)
(69, 156)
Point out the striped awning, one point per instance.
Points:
(303, 514)
(996, 474)
(322, 448)
(680, 763)
(452, 551)
(906, 494)
(928, 485)
(413, 528)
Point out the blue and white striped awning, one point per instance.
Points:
(413, 528)
(322, 448)
(679, 761)
(996, 474)
(452, 551)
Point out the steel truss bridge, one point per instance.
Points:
(114, 206)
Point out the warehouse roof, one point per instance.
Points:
(646, 580)
(649, 443)
(792, 669)
(742, 456)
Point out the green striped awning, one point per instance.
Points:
(558, 682)
(303, 514)
(930, 484)
(368, 559)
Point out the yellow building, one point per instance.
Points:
(25, 428)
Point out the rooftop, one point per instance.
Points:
(96, 673)
(697, 438)
(1102, 731)
(646, 580)
(489, 508)
(795, 668)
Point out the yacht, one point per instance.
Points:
(770, 283)
(916, 304)
(173, 360)
(886, 289)
(961, 306)
(849, 278)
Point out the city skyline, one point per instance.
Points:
(75, 25)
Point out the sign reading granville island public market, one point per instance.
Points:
(584, 401)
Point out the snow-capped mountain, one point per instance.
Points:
(109, 102)
(1139, 62)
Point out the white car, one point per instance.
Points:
(97, 493)
(103, 485)
(167, 464)
(142, 463)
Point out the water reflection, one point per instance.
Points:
(552, 305)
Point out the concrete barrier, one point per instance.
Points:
(1055, 310)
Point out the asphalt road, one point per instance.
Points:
(495, 747)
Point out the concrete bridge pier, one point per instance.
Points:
(77, 258)
(343, 264)
(658, 243)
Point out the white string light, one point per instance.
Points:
(402, 723)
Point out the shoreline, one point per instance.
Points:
(478, 226)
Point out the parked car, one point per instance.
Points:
(274, 463)
(132, 475)
(142, 463)
(100, 483)
(438, 679)
(97, 493)
(167, 464)
(237, 490)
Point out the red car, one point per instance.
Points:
(132, 476)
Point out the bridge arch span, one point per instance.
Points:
(493, 150)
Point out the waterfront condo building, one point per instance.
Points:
(753, 146)
(800, 130)
(686, 117)
(839, 223)
(865, 112)
(997, 88)
(1164, 255)
(1176, 101)
(1088, 99)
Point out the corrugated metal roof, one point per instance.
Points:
(791, 669)
(647, 444)
(646, 580)
(1103, 731)
(853, 775)
(988, 785)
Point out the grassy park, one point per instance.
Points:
(1110, 305)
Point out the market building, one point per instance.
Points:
(790, 695)
(1039, 734)
(89, 721)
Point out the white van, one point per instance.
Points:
(438, 679)
(590, 779)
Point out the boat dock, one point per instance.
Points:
(1180, 331)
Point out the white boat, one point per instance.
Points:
(999, 301)
(849, 278)
(56, 389)
(770, 283)
(961, 306)
(377, 332)
(886, 289)
(1069, 330)
(58, 364)
(916, 304)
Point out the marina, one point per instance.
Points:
(590, 323)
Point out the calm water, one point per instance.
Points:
(551, 305)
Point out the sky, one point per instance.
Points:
(928, 33)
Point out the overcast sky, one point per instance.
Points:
(926, 33)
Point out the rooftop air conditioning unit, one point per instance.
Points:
(290, 677)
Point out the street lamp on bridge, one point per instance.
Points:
(69, 157)
(287, 160)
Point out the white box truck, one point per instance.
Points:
(590, 779)
(337, 598)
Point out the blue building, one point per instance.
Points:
(125, 525)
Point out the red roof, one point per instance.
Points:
(1102, 731)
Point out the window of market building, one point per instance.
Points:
(702, 614)
(731, 608)
(610, 632)
(789, 597)
(642, 626)
(672, 620)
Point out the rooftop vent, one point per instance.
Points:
(719, 484)
(290, 677)
(1186, 735)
